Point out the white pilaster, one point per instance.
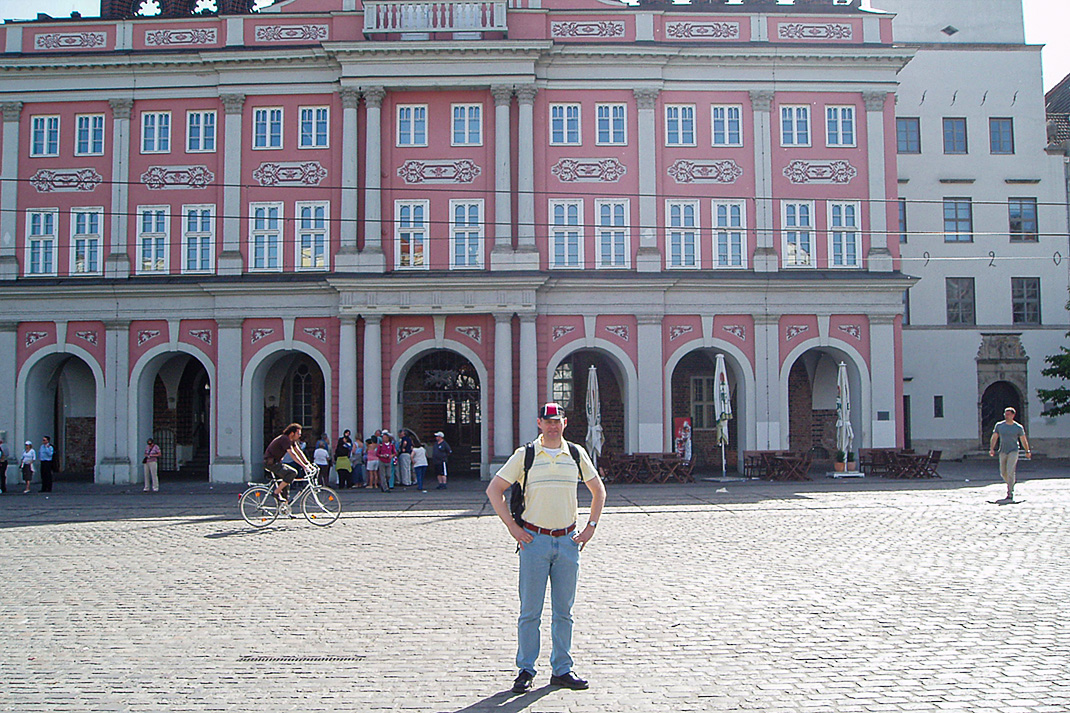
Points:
(879, 258)
(882, 378)
(346, 258)
(9, 187)
(230, 259)
(372, 257)
(117, 263)
(767, 382)
(347, 375)
(503, 387)
(765, 256)
(651, 385)
(648, 257)
(228, 465)
(115, 467)
(529, 380)
(9, 335)
(525, 182)
(502, 252)
(373, 373)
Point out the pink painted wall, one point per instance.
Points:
(146, 334)
(32, 337)
(201, 334)
(852, 329)
(90, 336)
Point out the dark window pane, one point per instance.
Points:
(908, 135)
(1025, 300)
(960, 300)
(1022, 213)
(954, 136)
(1001, 133)
(958, 220)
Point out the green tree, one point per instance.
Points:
(1058, 367)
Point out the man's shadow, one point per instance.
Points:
(506, 702)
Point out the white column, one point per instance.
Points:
(527, 253)
(9, 335)
(373, 373)
(529, 379)
(648, 257)
(883, 356)
(9, 190)
(651, 370)
(503, 387)
(502, 252)
(371, 257)
(879, 258)
(230, 259)
(113, 410)
(346, 257)
(765, 256)
(232, 426)
(117, 263)
(767, 382)
(347, 375)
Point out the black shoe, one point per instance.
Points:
(568, 680)
(523, 682)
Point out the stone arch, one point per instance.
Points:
(626, 375)
(996, 397)
(858, 377)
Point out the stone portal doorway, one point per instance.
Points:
(441, 392)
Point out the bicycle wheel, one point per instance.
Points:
(321, 506)
(258, 506)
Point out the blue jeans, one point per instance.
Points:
(421, 470)
(556, 559)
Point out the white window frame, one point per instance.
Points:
(417, 124)
(318, 139)
(617, 135)
(161, 126)
(48, 127)
(202, 133)
(672, 230)
(569, 121)
(722, 259)
(836, 233)
(613, 232)
(94, 240)
(677, 137)
(318, 263)
(204, 239)
(272, 237)
(792, 137)
(566, 233)
(48, 241)
(727, 120)
(840, 138)
(161, 259)
(457, 231)
(422, 229)
(263, 116)
(468, 137)
(790, 260)
(94, 143)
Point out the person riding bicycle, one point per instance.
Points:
(283, 444)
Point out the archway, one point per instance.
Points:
(693, 395)
(293, 391)
(568, 387)
(441, 391)
(59, 397)
(811, 403)
(997, 397)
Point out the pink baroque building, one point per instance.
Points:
(437, 215)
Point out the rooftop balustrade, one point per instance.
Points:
(411, 16)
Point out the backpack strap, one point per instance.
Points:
(529, 459)
(575, 451)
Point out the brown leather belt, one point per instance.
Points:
(552, 533)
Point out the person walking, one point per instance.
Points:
(440, 453)
(151, 462)
(419, 461)
(549, 545)
(26, 460)
(1007, 433)
(45, 455)
(3, 467)
(405, 457)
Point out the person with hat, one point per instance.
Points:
(440, 453)
(26, 461)
(548, 541)
(1007, 433)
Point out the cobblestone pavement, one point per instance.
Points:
(831, 596)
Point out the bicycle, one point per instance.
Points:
(319, 504)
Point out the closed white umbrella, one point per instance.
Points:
(722, 406)
(844, 433)
(594, 416)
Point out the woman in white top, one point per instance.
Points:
(322, 459)
(419, 460)
(26, 461)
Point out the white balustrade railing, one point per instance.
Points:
(433, 16)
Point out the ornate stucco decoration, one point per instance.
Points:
(852, 330)
(70, 179)
(259, 333)
(293, 173)
(406, 332)
(89, 335)
(473, 333)
(318, 333)
(562, 330)
(679, 330)
(808, 31)
(191, 36)
(586, 29)
(32, 337)
(607, 170)
(205, 335)
(723, 171)
(462, 171)
(69, 40)
(158, 177)
(702, 30)
(146, 335)
(290, 33)
(620, 330)
(738, 330)
(795, 330)
(820, 172)
(1001, 347)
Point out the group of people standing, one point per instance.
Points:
(27, 461)
(383, 460)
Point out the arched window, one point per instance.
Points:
(301, 396)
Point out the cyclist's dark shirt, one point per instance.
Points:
(277, 449)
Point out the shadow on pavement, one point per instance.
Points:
(506, 702)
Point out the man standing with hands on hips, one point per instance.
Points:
(547, 538)
(1008, 432)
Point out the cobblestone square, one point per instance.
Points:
(830, 596)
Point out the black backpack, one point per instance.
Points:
(516, 493)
